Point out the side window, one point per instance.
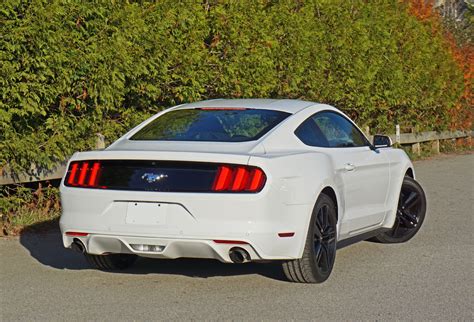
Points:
(330, 129)
(339, 131)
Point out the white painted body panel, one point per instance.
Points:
(296, 174)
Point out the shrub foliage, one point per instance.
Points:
(71, 69)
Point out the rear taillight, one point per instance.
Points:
(232, 178)
(83, 174)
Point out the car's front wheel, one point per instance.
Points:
(410, 214)
(320, 248)
(111, 262)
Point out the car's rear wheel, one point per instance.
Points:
(320, 248)
(112, 261)
(410, 214)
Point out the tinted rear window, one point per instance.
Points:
(220, 125)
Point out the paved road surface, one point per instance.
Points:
(429, 278)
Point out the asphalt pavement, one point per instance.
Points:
(429, 278)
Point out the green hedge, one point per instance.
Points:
(71, 69)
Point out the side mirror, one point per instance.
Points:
(382, 141)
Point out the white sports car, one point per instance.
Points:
(239, 181)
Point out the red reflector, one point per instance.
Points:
(93, 177)
(286, 234)
(76, 234)
(72, 174)
(239, 242)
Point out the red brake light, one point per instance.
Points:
(223, 178)
(257, 180)
(222, 108)
(72, 173)
(239, 179)
(93, 176)
(80, 174)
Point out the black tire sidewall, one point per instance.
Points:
(323, 200)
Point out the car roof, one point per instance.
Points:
(286, 105)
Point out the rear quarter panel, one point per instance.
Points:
(296, 181)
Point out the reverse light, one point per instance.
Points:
(147, 248)
(232, 178)
(83, 174)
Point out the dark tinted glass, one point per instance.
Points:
(309, 133)
(339, 131)
(330, 129)
(222, 125)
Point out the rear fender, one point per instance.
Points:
(299, 184)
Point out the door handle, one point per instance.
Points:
(349, 167)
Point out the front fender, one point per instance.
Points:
(399, 165)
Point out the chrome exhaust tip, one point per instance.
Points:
(239, 255)
(78, 246)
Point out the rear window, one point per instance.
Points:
(220, 125)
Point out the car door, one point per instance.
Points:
(362, 174)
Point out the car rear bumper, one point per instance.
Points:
(193, 222)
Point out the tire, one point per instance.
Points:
(319, 252)
(410, 215)
(111, 262)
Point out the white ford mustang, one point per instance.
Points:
(239, 181)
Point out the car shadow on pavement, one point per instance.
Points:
(47, 249)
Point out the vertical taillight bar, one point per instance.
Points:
(240, 179)
(223, 178)
(72, 173)
(257, 180)
(93, 177)
(83, 173)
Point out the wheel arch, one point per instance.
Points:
(329, 191)
(399, 169)
(410, 173)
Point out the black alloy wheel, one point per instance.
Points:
(324, 240)
(410, 214)
(319, 252)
